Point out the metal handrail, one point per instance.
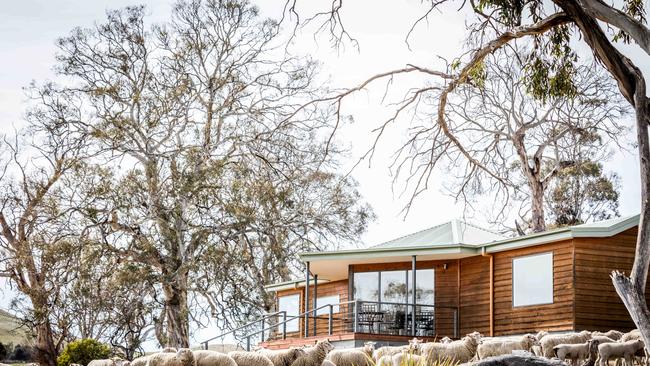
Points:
(329, 316)
(285, 321)
(262, 319)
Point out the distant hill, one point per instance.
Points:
(10, 330)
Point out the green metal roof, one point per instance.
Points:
(441, 239)
(453, 232)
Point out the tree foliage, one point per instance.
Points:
(82, 351)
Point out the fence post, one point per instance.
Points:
(284, 325)
(329, 320)
(248, 343)
(263, 321)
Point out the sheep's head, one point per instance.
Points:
(185, 357)
(530, 340)
(296, 352)
(473, 338)
(369, 347)
(415, 344)
(638, 344)
(325, 345)
(586, 334)
(445, 340)
(593, 348)
(541, 334)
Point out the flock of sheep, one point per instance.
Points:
(583, 348)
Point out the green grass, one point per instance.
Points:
(11, 331)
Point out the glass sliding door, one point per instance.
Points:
(393, 286)
(425, 286)
(366, 286)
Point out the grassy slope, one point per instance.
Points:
(10, 331)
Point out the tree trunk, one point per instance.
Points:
(177, 312)
(538, 223)
(46, 352)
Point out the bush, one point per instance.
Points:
(4, 352)
(83, 351)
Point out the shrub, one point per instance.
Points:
(4, 352)
(83, 351)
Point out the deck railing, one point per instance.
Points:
(357, 316)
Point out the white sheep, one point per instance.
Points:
(551, 340)
(244, 358)
(169, 349)
(537, 349)
(140, 361)
(368, 348)
(574, 352)
(625, 350)
(630, 336)
(460, 351)
(349, 357)
(445, 340)
(327, 363)
(414, 347)
(612, 334)
(498, 347)
(386, 360)
(408, 359)
(106, 362)
(315, 355)
(212, 358)
(184, 357)
(282, 357)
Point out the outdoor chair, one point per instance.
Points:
(425, 323)
(369, 315)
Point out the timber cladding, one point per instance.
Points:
(597, 305)
(557, 316)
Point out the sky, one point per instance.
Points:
(29, 28)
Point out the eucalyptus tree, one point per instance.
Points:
(39, 231)
(520, 142)
(583, 193)
(550, 27)
(179, 110)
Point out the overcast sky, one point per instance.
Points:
(28, 29)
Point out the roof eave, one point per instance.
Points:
(389, 252)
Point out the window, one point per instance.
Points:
(327, 300)
(532, 280)
(393, 286)
(290, 304)
(366, 286)
(424, 293)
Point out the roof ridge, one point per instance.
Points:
(411, 234)
(479, 227)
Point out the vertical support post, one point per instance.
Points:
(307, 274)
(356, 316)
(456, 323)
(263, 328)
(413, 295)
(284, 325)
(248, 343)
(330, 320)
(315, 301)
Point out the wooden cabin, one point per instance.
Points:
(466, 279)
